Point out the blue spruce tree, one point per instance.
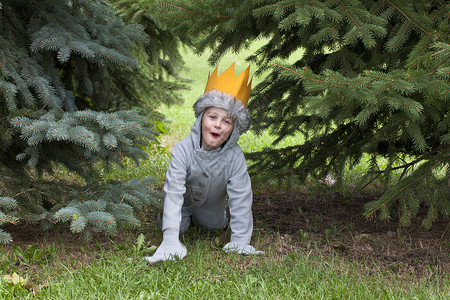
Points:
(72, 93)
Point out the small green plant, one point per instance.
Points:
(6, 262)
(332, 233)
(33, 255)
(303, 235)
(139, 244)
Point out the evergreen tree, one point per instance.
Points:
(72, 94)
(372, 81)
(162, 55)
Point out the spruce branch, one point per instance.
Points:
(411, 19)
(401, 187)
(192, 12)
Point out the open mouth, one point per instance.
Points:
(215, 135)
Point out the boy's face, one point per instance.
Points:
(217, 126)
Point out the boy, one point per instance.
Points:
(207, 166)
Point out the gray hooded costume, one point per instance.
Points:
(198, 181)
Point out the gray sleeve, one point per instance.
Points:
(240, 198)
(174, 189)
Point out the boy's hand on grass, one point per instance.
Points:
(241, 248)
(170, 248)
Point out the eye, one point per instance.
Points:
(228, 122)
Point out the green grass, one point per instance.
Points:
(209, 273)
(115, 279)
(154, 166)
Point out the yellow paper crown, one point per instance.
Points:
(228, 83)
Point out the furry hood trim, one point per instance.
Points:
(221, 100)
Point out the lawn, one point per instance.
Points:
(317, 244)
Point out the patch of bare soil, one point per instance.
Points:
(335, 224)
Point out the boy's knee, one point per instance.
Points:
(184, 225)
(207, 226)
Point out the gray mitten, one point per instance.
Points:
(241, 248)
(170, 248)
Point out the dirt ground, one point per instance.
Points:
(334, 224)
(330, 225)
